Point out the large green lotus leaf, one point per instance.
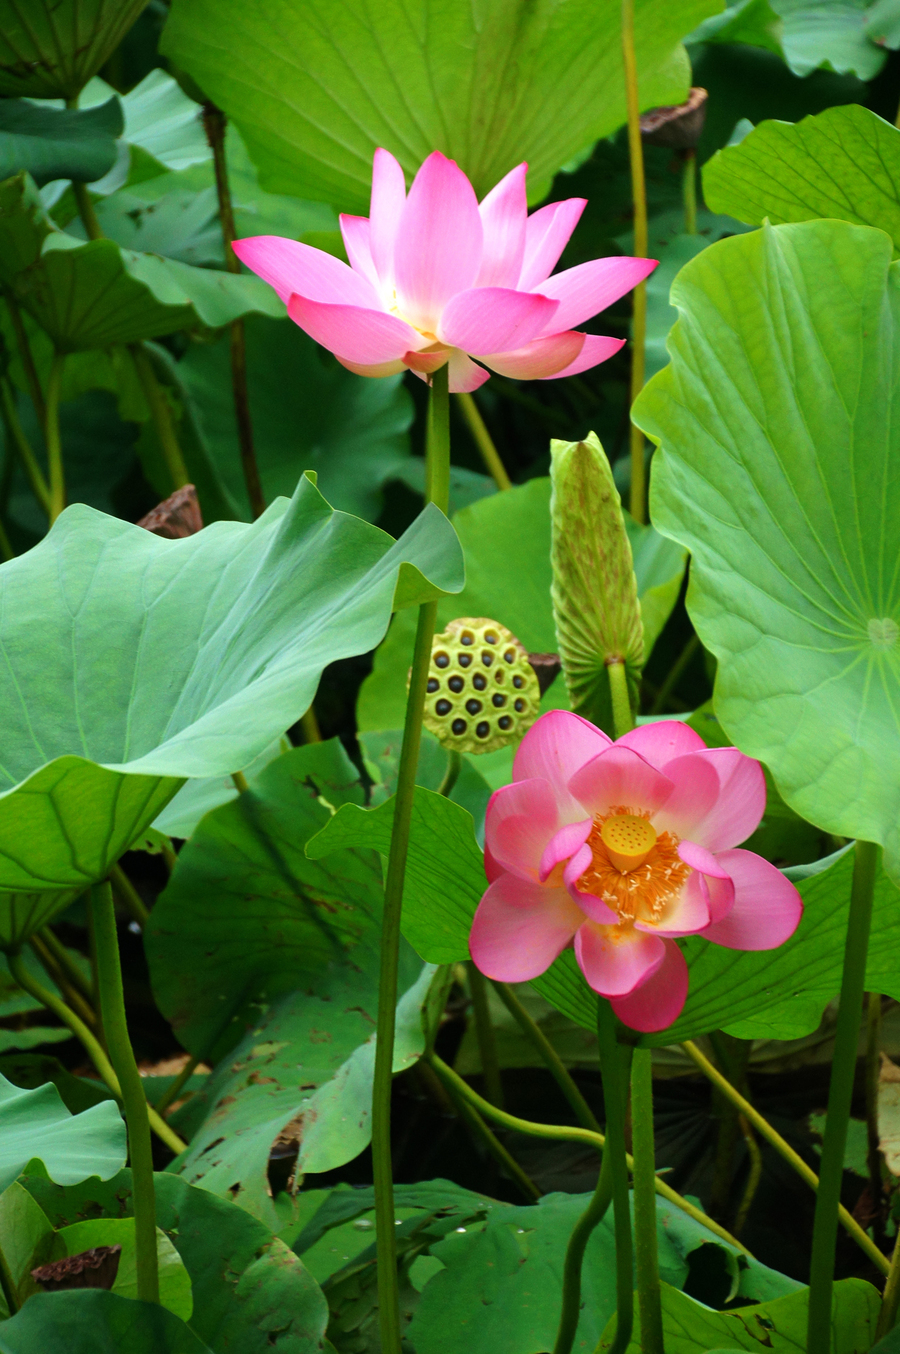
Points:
(57, 143)
(309, 413)
(303, 1076)
(250, 1291)
(843, 164)
(174, 1280)
(513, 587)
(37, 1125)
(778, 994)
(51, 48)
(90, 294)
(315, 87)
(689, 1327)
(779, 436)
(133, 662)
(92, 1321)
(808, 34)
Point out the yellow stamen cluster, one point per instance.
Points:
(637, 891)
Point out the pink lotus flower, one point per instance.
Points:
(435, 276)
(620, 847)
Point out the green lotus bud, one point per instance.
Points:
(482, 691)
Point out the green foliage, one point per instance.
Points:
(26, 1240)
(843, 164)
(174, 1280)
(36, 1126)
(54, 47)
(92, 1321)
(317, 94)
(793, 585)
(58, 143)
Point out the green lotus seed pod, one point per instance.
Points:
(482, 691)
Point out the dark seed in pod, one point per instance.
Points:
(520, 705)
(458, 726)
(499, 676)
(504, 722)
(510, 656)
(443, 707)
(433, 684)
(487, 659)
(455, 683)
(498, 698)
(519, 682)
(441, 660)
(473, 707)
(467, 637)
(490, 637)
(479, 681)
(483, 729)
(465, 659)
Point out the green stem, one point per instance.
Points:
(112, 1006)
(23, 447)
(623, 718)
(674, 674)
(129, 895)
(689, 187)
(310, 726)
(754, 1176)
(437, 491)
(86, 211)
(784, 1150)
(57, 485)
(501, 1155)
(214, 121)
(65, 961)
(55, 972)
(26, 357)
(240, 781)
(873, 1068)
(569, 1133)
(840, 1092)
(171, 1095)
(592, 1216)
(483, 440)
(451, 775)
(161, 415)
(638, 499)
(484, 1033)
(645, 1248)
(554, 1063)
(68, 1017)
(890, 1299)
(614, 1070)
(6, 550)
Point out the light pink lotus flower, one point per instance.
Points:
(435, 277)
(620, 847)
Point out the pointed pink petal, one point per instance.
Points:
(465, 376)
(591, 904)
(659, 1001)
(491, 319)
(503, 214)
(547, 233)
(539, 360)
(357, 242)
(721, 896)
(662, 740)
(688, 912)
(372, 368)
(427, 361)
(767, 908)
(614, 960)
(519, 822)
(386, 207)
(597, 348)
(700, 859)
(437, 252)
(289, 266)
(696, 793)
(553, 749)
(741, 802)
(520, 928)
(564, 844)
(587, 289)
(620, 778)
(365, 336)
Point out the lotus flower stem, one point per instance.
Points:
(754, 1175)
(569, 1133)
(57, 484)
(161, 415)
(310, 726)
(484, 1032)
(840, 1092)
(793, 1158)
(873, 1068)
(6, 550)
(638, 499)
(59, 975)
(645, 1243)
(112, 1005)
(240, 781)
(171, 1095)
(554, 1063)
(134, 903)
(674, 674)
(592, 1216)
(437, 490)
(614, 1069)
(451, 775)
(689, 185)
(92, 227)
(25, 356)
(214, 122)
(501, 1155)
(483, 440)
(16, 433)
